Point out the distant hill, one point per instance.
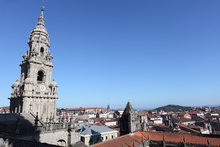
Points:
(174, 108)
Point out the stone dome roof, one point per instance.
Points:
(39, 33)
(40, 28)
(53, 83)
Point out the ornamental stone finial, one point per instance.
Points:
(41, 18)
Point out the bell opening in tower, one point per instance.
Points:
(40, 76)
(41, 51)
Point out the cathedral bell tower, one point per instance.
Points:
(36, 92)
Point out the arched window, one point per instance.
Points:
(40, 76)
(41, 51)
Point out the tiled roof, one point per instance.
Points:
(4, 109)
(186, 128)
(127, 141)
(72, 109)
(195, 127)
(143, 114)
(182, 119)
(120, 110)
(93, 129)
(138, 137)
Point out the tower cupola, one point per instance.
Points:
(39, 33)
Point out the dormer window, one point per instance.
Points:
(41, 51)
(40, 76)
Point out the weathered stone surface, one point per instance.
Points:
(130, 121)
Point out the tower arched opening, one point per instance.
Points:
(40, 76)
(41, 51)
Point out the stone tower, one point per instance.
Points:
(130, 121)
(108, 108)
(36, 92)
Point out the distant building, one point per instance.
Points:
(144, 118)
(4, 110)
(108, 109)
(105, 115)
(85, 110)
(130, 120)
(156, 120)
(118, 113)
(184, 121)
(92, 134)
(110, 122)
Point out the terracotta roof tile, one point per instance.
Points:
(136, 138)
(4, 109)
(76, 109)
(188, 128)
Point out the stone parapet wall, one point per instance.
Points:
(9, 142)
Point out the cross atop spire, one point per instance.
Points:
(42, 11)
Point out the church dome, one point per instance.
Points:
(16, 83)
(40, 29)
(39, 33)
(53, 84)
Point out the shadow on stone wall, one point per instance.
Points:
(20, 130)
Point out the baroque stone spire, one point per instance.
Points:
(36, 87)
(41, 18)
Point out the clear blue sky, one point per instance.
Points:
(150, 52)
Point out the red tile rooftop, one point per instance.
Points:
(72, 109)
(182, 119)
(143, 114)
(195, 127)
(195, 112)
(136, 139)
(188, 128)
(4, 109)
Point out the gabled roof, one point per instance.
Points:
(128, 108)
(137, 138)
